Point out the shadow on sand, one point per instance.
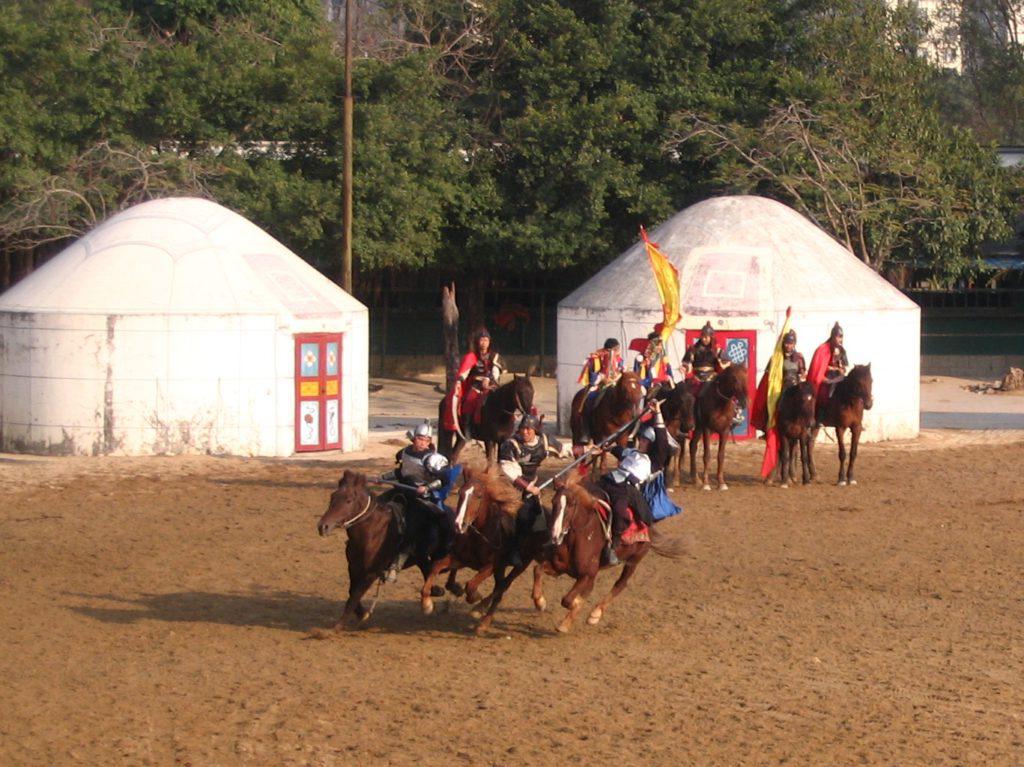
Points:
(290, 611)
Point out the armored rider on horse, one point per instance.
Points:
(828, 368)
(654, 369)
(704, 360)
(423, 478)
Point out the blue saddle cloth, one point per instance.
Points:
(661, 505)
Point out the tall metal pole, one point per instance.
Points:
(346, 269)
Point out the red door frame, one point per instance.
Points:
(722, 338)
(321, 380)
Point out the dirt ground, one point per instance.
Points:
(158, 611)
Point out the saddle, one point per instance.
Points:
(635, 532)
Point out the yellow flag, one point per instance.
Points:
(775, 372)
(666, 277)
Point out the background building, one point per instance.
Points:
(179, 326)
(742, 261)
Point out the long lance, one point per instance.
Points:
(411, 488)
(597, 448)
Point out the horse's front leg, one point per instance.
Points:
(705, 477)
(452, 585)
(721, 462)
(840, 438)
(354, 605)
(538, 592)
(501, 583)
(811, 439)
(783, 461)
(805, 457)
(693, 458)
(473, 586)
(627, 571)
(426, 593)
(791, 444)
(573, 600)
(855, 430)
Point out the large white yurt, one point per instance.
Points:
(742, 260)
(179, 326)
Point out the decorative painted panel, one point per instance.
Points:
(332, 422)
(309, 423)
(310, 358)
(332, 358)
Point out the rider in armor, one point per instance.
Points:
(828, 367)
(653, 441)
(703, 359)
(653, 367)
(794, 369)
(427, 478)
(519, 458)
(623, 488)
(478, 373)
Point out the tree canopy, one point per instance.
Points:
(490, 134)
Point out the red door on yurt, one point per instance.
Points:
(740, 348)
(317, 391)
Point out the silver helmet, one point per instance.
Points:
(421, 430)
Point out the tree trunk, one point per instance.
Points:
(450, 331)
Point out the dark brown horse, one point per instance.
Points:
(717, 405)
(615, 407)
(677, 410)
(794, 421)
(499, 416)
(845, 410)
(373, 539)
(577, 538)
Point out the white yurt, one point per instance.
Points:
(742, 260)
(178, 326)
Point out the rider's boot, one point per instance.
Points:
(609, 553)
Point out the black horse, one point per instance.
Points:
(794, 421)
(677, 410)
(499, 416)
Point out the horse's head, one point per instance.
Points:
(348, 503)
(484, 491)
(571, 498)
(680, 405)
(860, 384)
(732, 383)
(630, 390)
(805, 400)
(522, 393)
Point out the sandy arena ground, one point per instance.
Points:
(158, 611)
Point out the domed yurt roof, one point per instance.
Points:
(179, 255)
(741, 256)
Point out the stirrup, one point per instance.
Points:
(390, 575)
(610, 557)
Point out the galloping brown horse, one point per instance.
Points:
(845, 410)
(677, 410)
(717, 405)
(577, 533)
(485, 518)
(373, 539)
(498, 419)
(614, 409)
(794, 420)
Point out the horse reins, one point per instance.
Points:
(347, 525)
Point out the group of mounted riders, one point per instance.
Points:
(630, 497)
(424, 476)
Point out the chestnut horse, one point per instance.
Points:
(794, 420)
(577, 540)
(845, 410)
(677, 410)
(615, 407)
(485, 518)
(373, 539)
(499, 417)
(718, 403)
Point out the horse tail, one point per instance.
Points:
(672, 546)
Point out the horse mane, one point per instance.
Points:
(575, 486)
(495, 485)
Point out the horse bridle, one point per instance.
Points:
(369, 501)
